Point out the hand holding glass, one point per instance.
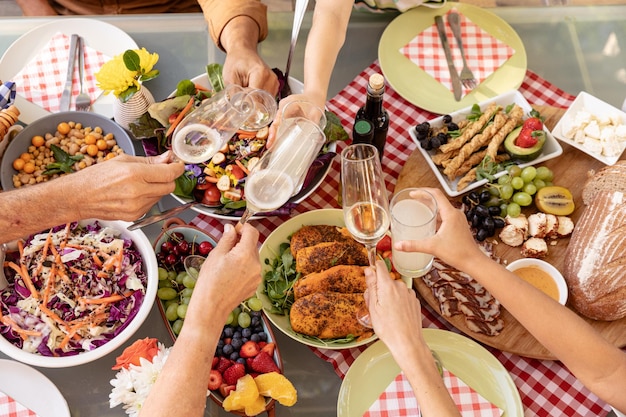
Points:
(413, 217)
(209, 127)
(280, 172)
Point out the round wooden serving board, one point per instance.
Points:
(570, 170)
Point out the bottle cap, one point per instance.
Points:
(377, 81)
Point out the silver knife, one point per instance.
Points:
(64, 104)
(454, 75)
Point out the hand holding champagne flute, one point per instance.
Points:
(280, 172)
(365, 204)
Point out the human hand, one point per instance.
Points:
(394, 309)
(122, 188)
(232, 271)
(453, 243)
(246, 68)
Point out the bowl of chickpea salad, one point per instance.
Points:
(59, 144)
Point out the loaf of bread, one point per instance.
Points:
(610, 178)
(595, 261)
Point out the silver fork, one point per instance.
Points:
(83, 101)
(300, 10)
(467, 77)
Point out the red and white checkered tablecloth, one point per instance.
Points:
(9, 407)
(547, 388)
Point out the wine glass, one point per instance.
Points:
(413, 217)
(209, 127)
(280, 172)
(364, 199)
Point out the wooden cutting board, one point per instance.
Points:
(570, 170)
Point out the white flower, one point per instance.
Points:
(131, 386)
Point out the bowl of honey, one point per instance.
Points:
(542, 276)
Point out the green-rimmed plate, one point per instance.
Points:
(375, 368)
(418, 87)
(269, 250)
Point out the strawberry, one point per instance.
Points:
(263, 363)
(526, 139)
(249, 349)
(384, 244)
(261, 343)
(225, 389)
(223, 364)
(269, 348)
(215, 380)
(533, 123)
(214, 362)
(233, 373)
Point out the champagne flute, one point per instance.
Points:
(365, 203)
(280, 172)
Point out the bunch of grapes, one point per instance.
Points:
(485, 220)
(428, 140)
(516, 188)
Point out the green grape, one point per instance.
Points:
(171, 312)
(530, 188)
(236, 313)
(162, 273)
(544, 173)
(549, 183)
(494, 191)
(182, 310)
(539, 183)
(522, 198)
(513, 209)
(244, 319)
(506, 191)
(493, 201)
(171, 275)
(166, 283)
(186, 292)
(166, 293)
(255, 304)
(229, 319)
(177, 326)
(517, 183)
(180, 277)
(503, 209)
(189, 281)
(193, 272)
(185, 300)
(528, 174)
(168, 303)
(514, 171)
(505, 179)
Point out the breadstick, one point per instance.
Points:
(441, 158)
(472, 129)
(466, 180)
(470, 162)
(515, 118)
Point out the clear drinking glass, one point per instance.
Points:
(209, 127)
(413, 217)
(364, 199)
(280, 172)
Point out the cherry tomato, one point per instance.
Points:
(211, 195)
(237, 172)
(384, 244)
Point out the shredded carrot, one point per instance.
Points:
(200, 87)
(20, 247)
(214, 180)
(78, 271)
(23, 272)
(106, 300)
(46, 248)
(242, 166)
(180, 116)
(50, 283)
(67, 235)
(54, 316)
(246, 134)
(102, 274)
(97, 260)
(81, 247)
(24, 333)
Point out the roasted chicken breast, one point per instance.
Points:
(340, 278)
(328, 254)
(310, 235)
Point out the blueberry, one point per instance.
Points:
(255, 338)
(227, 332)
(247, 331)
(234, 356)
(263, 336)
(241, 361)
(236, 343)
(228, 349)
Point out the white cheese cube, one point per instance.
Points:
(592, 130)
(592, 145)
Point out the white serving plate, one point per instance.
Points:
(551, 148)
(597, 107)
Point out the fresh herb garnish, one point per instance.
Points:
(64, 161)
(214, 72)
(279, 279)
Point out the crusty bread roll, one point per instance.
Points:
(595, 261)
(609, 178)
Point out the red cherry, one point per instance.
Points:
(205, 247)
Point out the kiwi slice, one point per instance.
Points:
(555, 200)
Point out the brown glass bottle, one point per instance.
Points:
(374, 111)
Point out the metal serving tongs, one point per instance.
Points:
(298, 16)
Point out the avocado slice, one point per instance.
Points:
(519, 153)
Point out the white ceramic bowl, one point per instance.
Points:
(143, 245)
(554, 273)
(49, 123)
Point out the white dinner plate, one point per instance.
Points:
(270, 249)
(420, 88)
(551, 149)
(32, 389)
(296, 88)
(104, 37)
(375, 368)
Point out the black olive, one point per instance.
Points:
(498, 222)
(452, 127)
(484, 196)
(447, 118)
(494, 210)
(482, 211)
(481, 235)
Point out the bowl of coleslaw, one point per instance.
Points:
(76, 292)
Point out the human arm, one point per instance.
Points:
(122, 188)
(36, 8)
(237, 27)
(596, 363)
(180, 389)
(396, 316)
